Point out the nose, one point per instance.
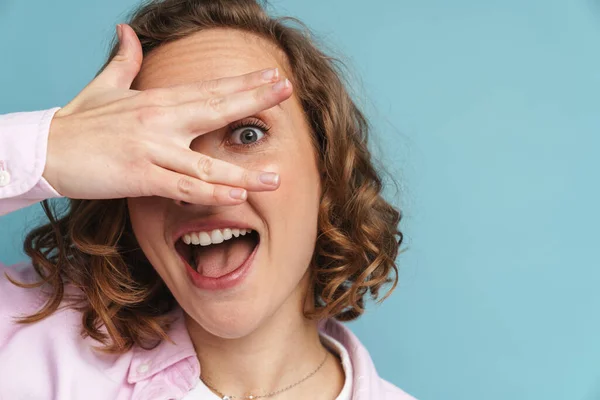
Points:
(192, 207)
(181, 203)
(199, 208)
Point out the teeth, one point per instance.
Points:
(215, 236)
(204, 239)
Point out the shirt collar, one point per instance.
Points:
(146, 363)
(366, 383)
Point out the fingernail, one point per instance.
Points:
(119, 32)
(238, 194)
(281, 85)
(270, 74)
(269, 178)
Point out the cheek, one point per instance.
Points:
(147, 221)
(291, 214)
(299, 193)
(142, 211)
(137, 209)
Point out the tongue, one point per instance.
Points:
(217, 260)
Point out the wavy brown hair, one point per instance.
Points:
(91, 246)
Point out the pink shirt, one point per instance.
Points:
(51, 360)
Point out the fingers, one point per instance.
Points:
(216, 112)
(124, 67)
(218, 87)
(173, 185)
(217, 171)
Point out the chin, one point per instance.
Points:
(232, 325)
(233, 318)
(238, 311)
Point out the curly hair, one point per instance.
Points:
(92, 247)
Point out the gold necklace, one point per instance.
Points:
(267, 395)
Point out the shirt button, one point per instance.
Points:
(4, 178)
(143, 368)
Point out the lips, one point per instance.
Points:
(215, 260)
(220, 265)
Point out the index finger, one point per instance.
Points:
(188, 92)
(213, 170)
(217, 112)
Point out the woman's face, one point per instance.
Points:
(223, 298)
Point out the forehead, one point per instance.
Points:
(207, 55)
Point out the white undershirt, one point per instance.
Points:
(201, 392)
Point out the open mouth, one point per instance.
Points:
(219, 252)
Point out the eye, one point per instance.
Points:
(247, 135)
(248, 132)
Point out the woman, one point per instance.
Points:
(224, 212)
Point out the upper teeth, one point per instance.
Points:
(213, 237)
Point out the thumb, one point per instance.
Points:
(126, 64)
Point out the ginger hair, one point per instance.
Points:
(123, 300)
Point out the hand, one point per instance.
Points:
(114, 142)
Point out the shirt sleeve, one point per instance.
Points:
(23, 147)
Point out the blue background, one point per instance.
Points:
(488, 114)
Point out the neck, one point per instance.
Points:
(282, 351)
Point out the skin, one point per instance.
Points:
(153, 130)
(253, 338)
